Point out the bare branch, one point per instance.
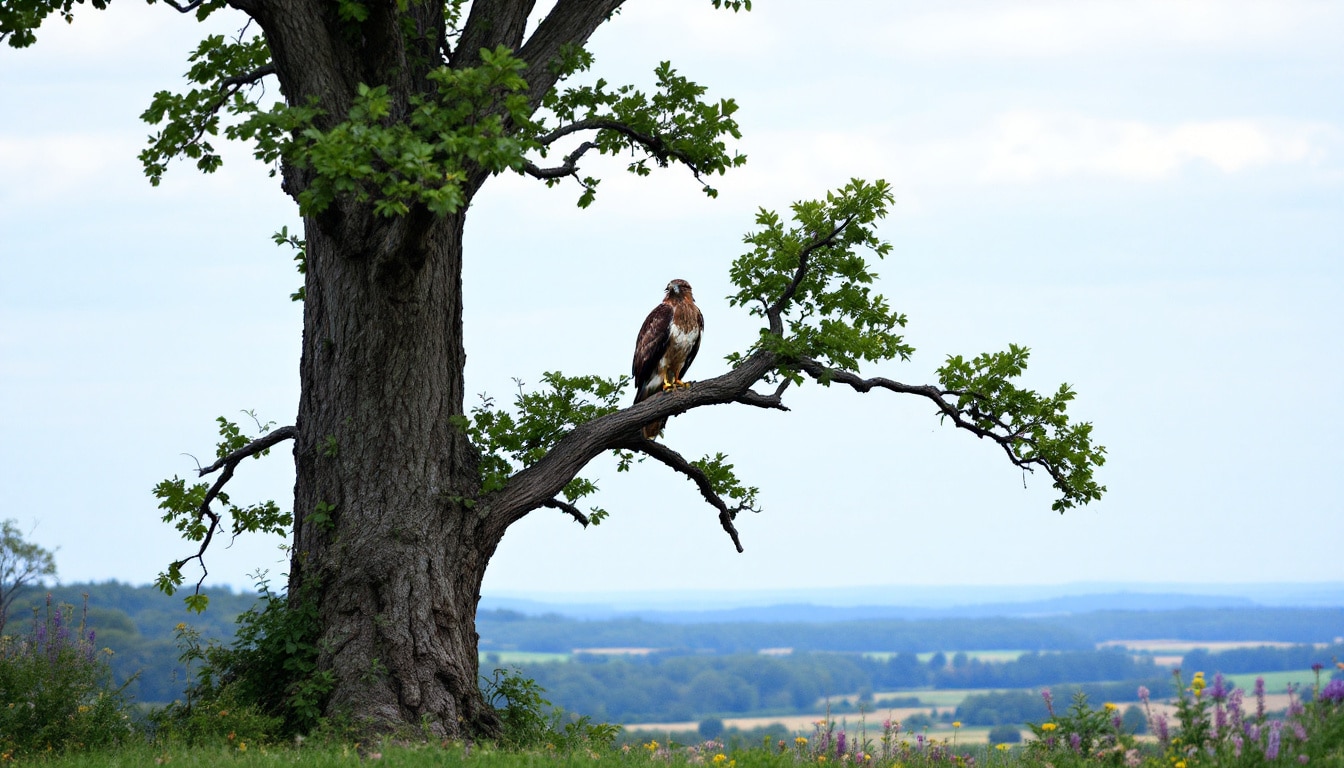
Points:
(568, 509)
(237, 81)
(256, 446)
(569, 168)
(184, 7)
(679, 463)
(774, 400)
(1007, 440)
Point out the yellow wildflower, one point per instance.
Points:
(242, 746)
(181, 625)
(720, 758)
(1002, 747)
(1180, 764)
(821, 758)
(1109, 707)
(1049, 727)
(652, 746)
(956, 723)
(801, 741)
(83, 708)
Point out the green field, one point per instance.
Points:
(520, 657)
(1275, 682)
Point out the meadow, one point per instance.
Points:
(64, 708)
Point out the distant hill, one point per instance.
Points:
(691, 607)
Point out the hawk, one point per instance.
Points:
(667, 344)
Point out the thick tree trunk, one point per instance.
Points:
(386, 538)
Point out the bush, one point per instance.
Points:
(1005, 734)
(264, 687)
(56, 689)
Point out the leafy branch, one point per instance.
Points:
(188, 507)
(811, 282)
(674, 124)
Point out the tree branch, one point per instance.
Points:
(184, 7)
(568, 168)
(570, 22)
(568, 509)
(1007, 440)
(679, 463)
(661, 152)
(228, 464)
(775, 311)
(534, 485)
(237, 81)
(774, 400)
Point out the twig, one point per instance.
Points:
(679, 463)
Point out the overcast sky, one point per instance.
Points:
(1149, 195)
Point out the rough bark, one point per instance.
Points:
(382, 523)
(389, 539)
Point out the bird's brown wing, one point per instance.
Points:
(649, 348)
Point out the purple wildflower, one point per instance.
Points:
(1260, 698)
(1303, 759)
(1317, 667)
(1234, 706)
(1049, 701)
(1333, 691)
(1295, 707)
(1299, 731)
(1163, 735)
(1253, 732)
(1075, 742)
(1272, 745)
(1117, 721)
(1219, 720)
(1143, 694)
(840, 744)
(1236, 746)
(1219, 690)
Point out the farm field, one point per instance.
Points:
(944, 702)
(519, 657)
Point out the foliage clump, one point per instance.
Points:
(56, 689)
(264, 686)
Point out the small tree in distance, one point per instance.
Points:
(394, 115)
(22, 564)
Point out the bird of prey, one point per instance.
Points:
(667, 344)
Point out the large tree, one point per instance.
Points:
(392, 116)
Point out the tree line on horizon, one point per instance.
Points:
(139, 624)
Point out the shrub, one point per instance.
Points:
(56, 688)
(1005, 734)
(263, 687)
(529, 720)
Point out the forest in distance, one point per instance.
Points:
(698, 670)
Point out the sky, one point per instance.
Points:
(1148, 195)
